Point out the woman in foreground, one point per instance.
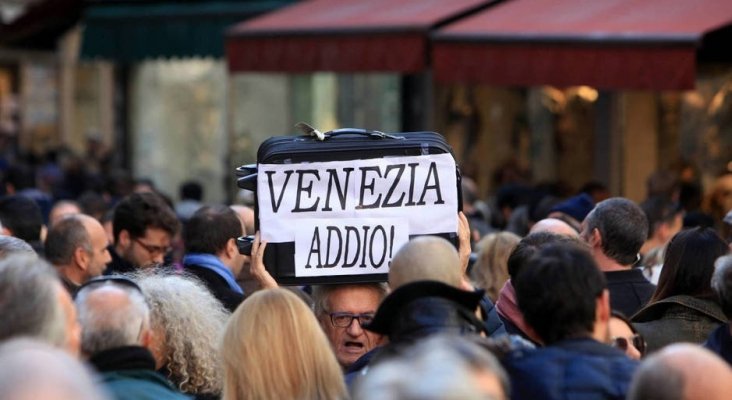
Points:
(274, 348)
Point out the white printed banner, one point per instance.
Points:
(351, 246)
(295, 199)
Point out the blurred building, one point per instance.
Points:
(547, 90)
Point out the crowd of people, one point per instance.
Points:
(544, 296)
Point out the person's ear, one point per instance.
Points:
(231, 248)
(603, 312)
(81, 257)
(146, 338)
(124, 239)
(595, 238)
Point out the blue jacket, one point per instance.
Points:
(577, 369)
(720, 342)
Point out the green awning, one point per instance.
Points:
(135, 30)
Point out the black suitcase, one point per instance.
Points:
(333, 210)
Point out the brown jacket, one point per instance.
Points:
(678, 318)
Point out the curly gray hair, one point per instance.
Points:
(191, 321)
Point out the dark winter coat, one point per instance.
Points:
(570, 369)
(128, 373)
(678, 318)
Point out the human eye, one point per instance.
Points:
(341, 319)
(366, 318)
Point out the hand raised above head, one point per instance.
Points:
(257, 268)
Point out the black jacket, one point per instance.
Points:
(128, 373)
(629, 290)
(217, 286)
(720, 342)
(118, 265)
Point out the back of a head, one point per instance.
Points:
(682, 371)
(29, 302)
(40, 371)
(659, 210)
(191, 320)
(111, 315)
(11, 245)
(191, 190)
(93, 204)
(64, 238)
(247, 216)
(425, 258)
(623, 227)
(554, 225)
(662, 183)
(722, 284)
(210, 228)
(22, 217)
(557, 292)
(61, 209)
(530, 245)
(440, 367)
(140, 211)
(688, 264)
(274, 347)
(470, 190)
(490, 270)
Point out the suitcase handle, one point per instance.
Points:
(361, 132)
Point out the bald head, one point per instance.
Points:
(683, 372)
(247, 216)
(61, 209)
(554, 225)
(425, 258)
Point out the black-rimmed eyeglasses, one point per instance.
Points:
(344, 319)
(152, 249)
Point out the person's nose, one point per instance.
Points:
(158, 258)
(355, 328)
(633, 352)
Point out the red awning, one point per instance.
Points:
(611, 44)
(342, 36)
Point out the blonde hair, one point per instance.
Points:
(273, 347)
(192, 321)
(490, 271)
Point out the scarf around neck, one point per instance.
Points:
(213, 263)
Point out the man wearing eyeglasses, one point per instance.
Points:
(342, 311)
(143, 227)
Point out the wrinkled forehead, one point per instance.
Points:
(353, 298)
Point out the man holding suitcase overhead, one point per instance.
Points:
(211, 253)
(356, 304)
